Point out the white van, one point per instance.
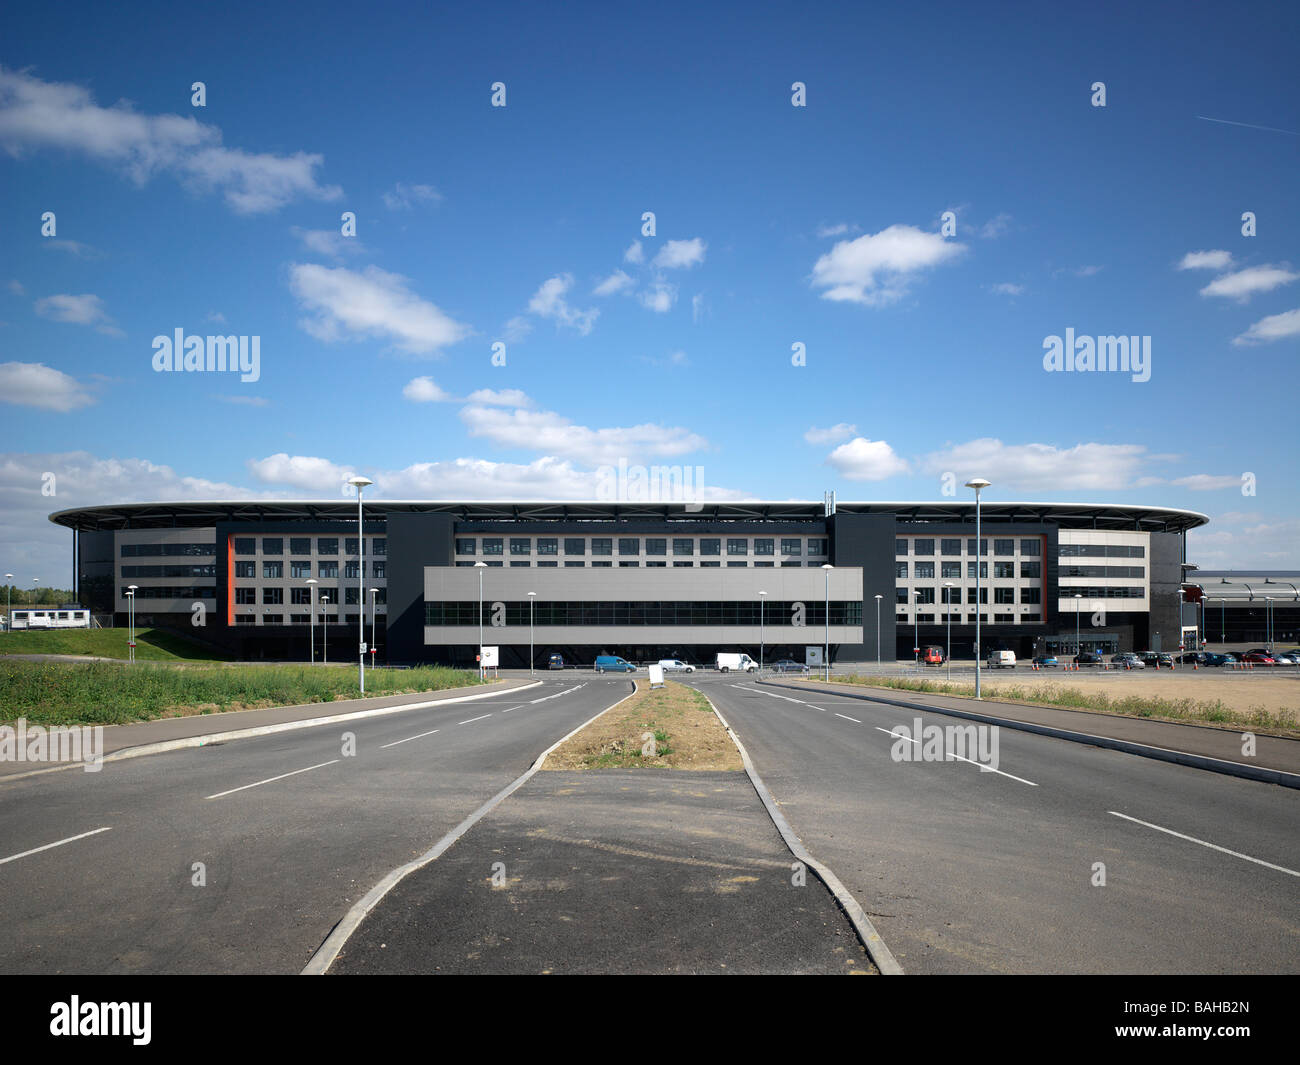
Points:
(675, 665)
(1000, 659)
(728, 662)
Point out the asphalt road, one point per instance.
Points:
(967, 871)
(283, 858)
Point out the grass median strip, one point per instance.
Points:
(109, 693)
(672, 727)
(1280, 720)
(155, 645)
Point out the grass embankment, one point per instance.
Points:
(153, 645)
(111, 693)
(1152, 707)
(677, 720)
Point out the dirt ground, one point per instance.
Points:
(687, 735)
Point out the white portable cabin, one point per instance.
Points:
(50, 618)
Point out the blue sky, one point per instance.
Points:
(774, 225)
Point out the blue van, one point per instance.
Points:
(613, 664)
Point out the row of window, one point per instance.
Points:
(294, 619)
(165, 550)
(1069, 592)
(1032, 546)
(952, 570)
(647, 613)
(1103, 571)
(302, 596)
(648, 563)
(631, 545)
(969, 619)
(171, 592)
(209, 570)
(302, 569)
(903, 596)
(1102, 551)
(301, 545)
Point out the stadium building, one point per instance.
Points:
(640, 580)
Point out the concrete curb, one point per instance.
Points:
(163, 746)
(328, 951)
(880, 954)
(1142, 750)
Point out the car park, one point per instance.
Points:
(1046, 661)
(1127, 660)
(788, 665)
(675, 665)
(614, 664)
(1087, 658)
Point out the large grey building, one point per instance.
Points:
(642, 580)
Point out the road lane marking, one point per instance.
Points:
(949, 754)
(845, 716)
(407, 740)
(271, 780)
(519, 707)
(60, 843)
(556, 695)
(471, 720)
(1212, 846)
(772, 694)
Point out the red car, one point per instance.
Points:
(933, 656)
(1259, 658)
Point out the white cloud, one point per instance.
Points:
(33, 384)
(500, 397)
(876, 269)
(1207, 482)
(516, 329)
(424, 390)
(833, 435)
(403, 197)
(1006, 288)
(697, 307)
(1274, 327)
(343, 304)
(1243, 284)
(552, 434)
(680, 254)
(1206, 260)
(37, 114)
(995, 226)
(328, 242)
(1087, 271)
(866, 460)
(635, 253)
(618, 281)
(87, 309)
(659, 297)
(74, 248)
(16, 288)
(1041, 467)
(549, 302)
(1249, 542)
(832, 231)
(215, 316)
(300, 471)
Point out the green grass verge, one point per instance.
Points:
(1200, 712)
(153, 645)
(111, 693)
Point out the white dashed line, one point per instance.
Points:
(407, 740)
(519, 707)
(473, 719)
(60, 843)
(1212, 846)
(556, 695)
(949, 754)
(271, 780)
(845, 716)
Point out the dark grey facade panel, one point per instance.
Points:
(414, 542)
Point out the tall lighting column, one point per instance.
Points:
(977, 483)
(359, 483)
(480, 566)
(311, 586)
(762, 598)
(826, 571)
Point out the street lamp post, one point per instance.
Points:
(948, 652)
(311, 587)
(762, 634)
(9, 603)
(130, 605)
(916, 631)
(826, 572)
(374, 626)
(480, 566)
(1268, 623)
(359, 483)
(977, 483)
(1077, 649)
(532, 600)
(325, 640)
(878, 598)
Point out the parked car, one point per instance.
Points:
(1258, 658)
(1158, 659)
(1213, 658)
(933, 656)
(1127, 660)
(613, 664)
(1286, 658)
(788, 665)
(1087, 658)
(1002, 660)
(676, 665)
(555, 662)
(1046, 661)
(728, 662)
(1189, 657)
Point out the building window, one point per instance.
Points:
(629, 545)
(351, 570)
(493, 545)
(790, 546)
(970, 546)
(245, 545)
(465, 546)
(951, 570)
(245, 569)
(659, 565)
(519, 565)
(656, 546)
(245, 596)
(1031, 595)
(300, 596)
(900, 570)
(925, 571)
(552, 563)
(1004, 595)
(380, 569)
(299, 569)
(521, 545)
(710, 547)
(817, 547)
(350, 596)
(970, 571)
(629, 564)
(246, 619)
(925, 619)
(984, 595)
(1031, 547)
(684, 564)
(683, 546)
(327, 569)
(350, 545)
(327, 545)
(1031, 569)
(735, 565)
(951, 596)
(924, 595)
(272, 545)
(273, 596)
(575, 545)
(764, 546)
(548, 545)
(300, 545)
(578, 565)
(901, 596)
(1003, 570)
(900, 547)
(924, 547)
(737, 546)
(1004, 547)
(602, 545)
(272, 571)
(379, 545)
(716, 565)
(381, 596)
(1031, 617)
(1003, 619)
(299, 619)
(606, 565)
(951, 546)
